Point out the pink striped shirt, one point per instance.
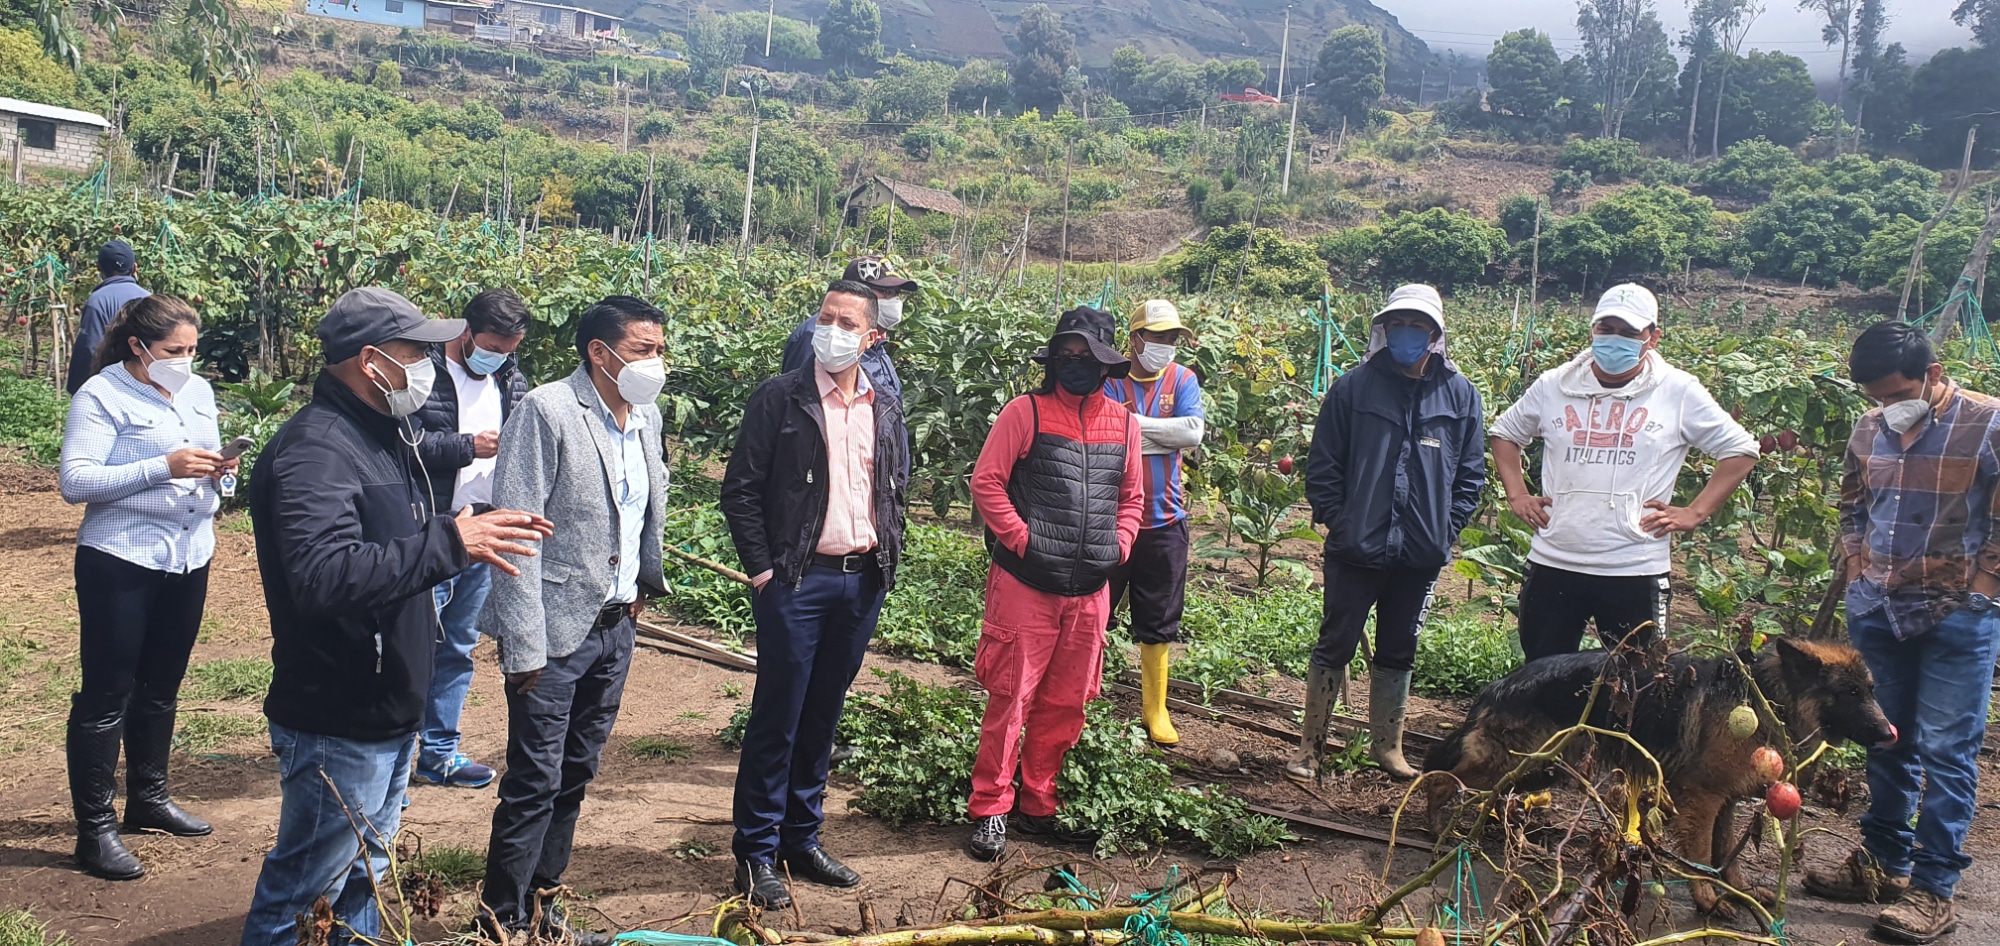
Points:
(850, 466)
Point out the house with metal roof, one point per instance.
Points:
(451, 16)
(37, 135)
(544, 22)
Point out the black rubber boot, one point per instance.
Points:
(149, 737)
(93, 785)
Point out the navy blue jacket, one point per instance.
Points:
(443, 449)
(1397, 464)
(98, 314)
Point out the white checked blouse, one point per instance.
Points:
(114, 458)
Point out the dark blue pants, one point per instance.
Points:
(810, 641)
(555, 737)
(1934, 687)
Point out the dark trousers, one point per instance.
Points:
(1400, 597)
(1155, 575)
(555, 737)
(810, 642)
(1555, 605)
(138, 626)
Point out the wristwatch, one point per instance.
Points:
(1978, 602)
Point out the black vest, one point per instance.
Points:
(1066, 490)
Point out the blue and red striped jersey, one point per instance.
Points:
(1175, 393)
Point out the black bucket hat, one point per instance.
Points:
(1098, 329)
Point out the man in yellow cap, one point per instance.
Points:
(1166, 397)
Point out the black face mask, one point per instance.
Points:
(1079, 377)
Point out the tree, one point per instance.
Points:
(1956, 89)
(712, 49)
(1839, 28)
(1438, 246)
(1526, 74)
(851, 29)
(1870, 19)
(1234, 75)
(1983, 18)
(1772, 97)
(1749, 170)
(1166, 83)
(1701, 41)
(1351, 72)
(220, 44)
(981, 83)
(1733, 29)
(1126, 64)
(1616, 37)
(912, 91)
(1887, 88)
(1048, 53)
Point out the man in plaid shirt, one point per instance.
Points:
(1918, 509)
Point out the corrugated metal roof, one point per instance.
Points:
(57, 113)
(564, 6)
(919, 196)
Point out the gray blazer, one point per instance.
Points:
(555, 459)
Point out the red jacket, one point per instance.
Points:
(1062, 418)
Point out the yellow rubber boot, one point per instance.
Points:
(1153, 694)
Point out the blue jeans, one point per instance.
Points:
(458, 604)
(319, 852)
(1934, 687)
(810, 642)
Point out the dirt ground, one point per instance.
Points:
(653, 841)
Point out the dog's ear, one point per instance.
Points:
(1800, 654)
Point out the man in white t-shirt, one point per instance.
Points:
(461, 435)
(1616, 423)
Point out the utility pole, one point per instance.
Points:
(1291, 133)
(750, 170)
(1284, 51)
(770, 20)
(625, 143)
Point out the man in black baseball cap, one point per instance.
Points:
(889, 287)
(349, 551)
(115, 266)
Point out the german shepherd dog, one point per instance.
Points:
(1680, 715)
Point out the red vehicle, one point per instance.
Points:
(1249, 95)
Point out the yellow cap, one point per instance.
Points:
(1159, 315)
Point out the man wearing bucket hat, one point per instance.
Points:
(1397, 464)
(349, 550)
(1165, 400)
(1616, 423)
(1059, 485)
(889, 288)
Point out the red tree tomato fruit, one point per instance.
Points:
(1767, 763)
(1782, 800)
(1285, 465)
(1788, 440)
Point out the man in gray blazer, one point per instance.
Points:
(585, 452)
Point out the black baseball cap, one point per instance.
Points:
(371, 316)
(876, 273)
(115, 258)
(1099, 330)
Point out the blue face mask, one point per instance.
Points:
(1408, 344)
(482, 362)
(1617, 354)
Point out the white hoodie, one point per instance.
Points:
(1609, 451)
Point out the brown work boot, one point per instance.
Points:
(1920, 917)
(1859, 879)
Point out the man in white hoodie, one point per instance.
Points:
(1616, 424)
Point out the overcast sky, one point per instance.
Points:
(1471, 26)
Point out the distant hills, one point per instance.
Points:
(1192, 29)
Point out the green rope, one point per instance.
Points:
(1462, 880)
(1151, 925)
(1325, 371)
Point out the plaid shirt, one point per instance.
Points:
(114, 458)
(1920, 520)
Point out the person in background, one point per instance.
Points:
(461, 435)
(1920, 536)
(1616, 423)
(1397, 463)
(1060, 486)
(140, 449)
(116, 267)
(349, 551)
(814, 494)
(1165, 398)
(586, 452)
(888, 287)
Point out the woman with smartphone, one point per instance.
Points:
(141, 450)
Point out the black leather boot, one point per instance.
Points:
(149, 737)
(93, 785)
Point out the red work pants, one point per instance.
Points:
(1040, 659)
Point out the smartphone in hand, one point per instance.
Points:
(236, 447)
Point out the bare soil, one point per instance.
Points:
(653, 842)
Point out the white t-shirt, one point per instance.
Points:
(1607, 452)
(479, 411)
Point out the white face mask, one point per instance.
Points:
(890, 312)
(641, 381)
(1904, 416)
(1157, 356)
(835, 348)
(418, 377)
(169, 373)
